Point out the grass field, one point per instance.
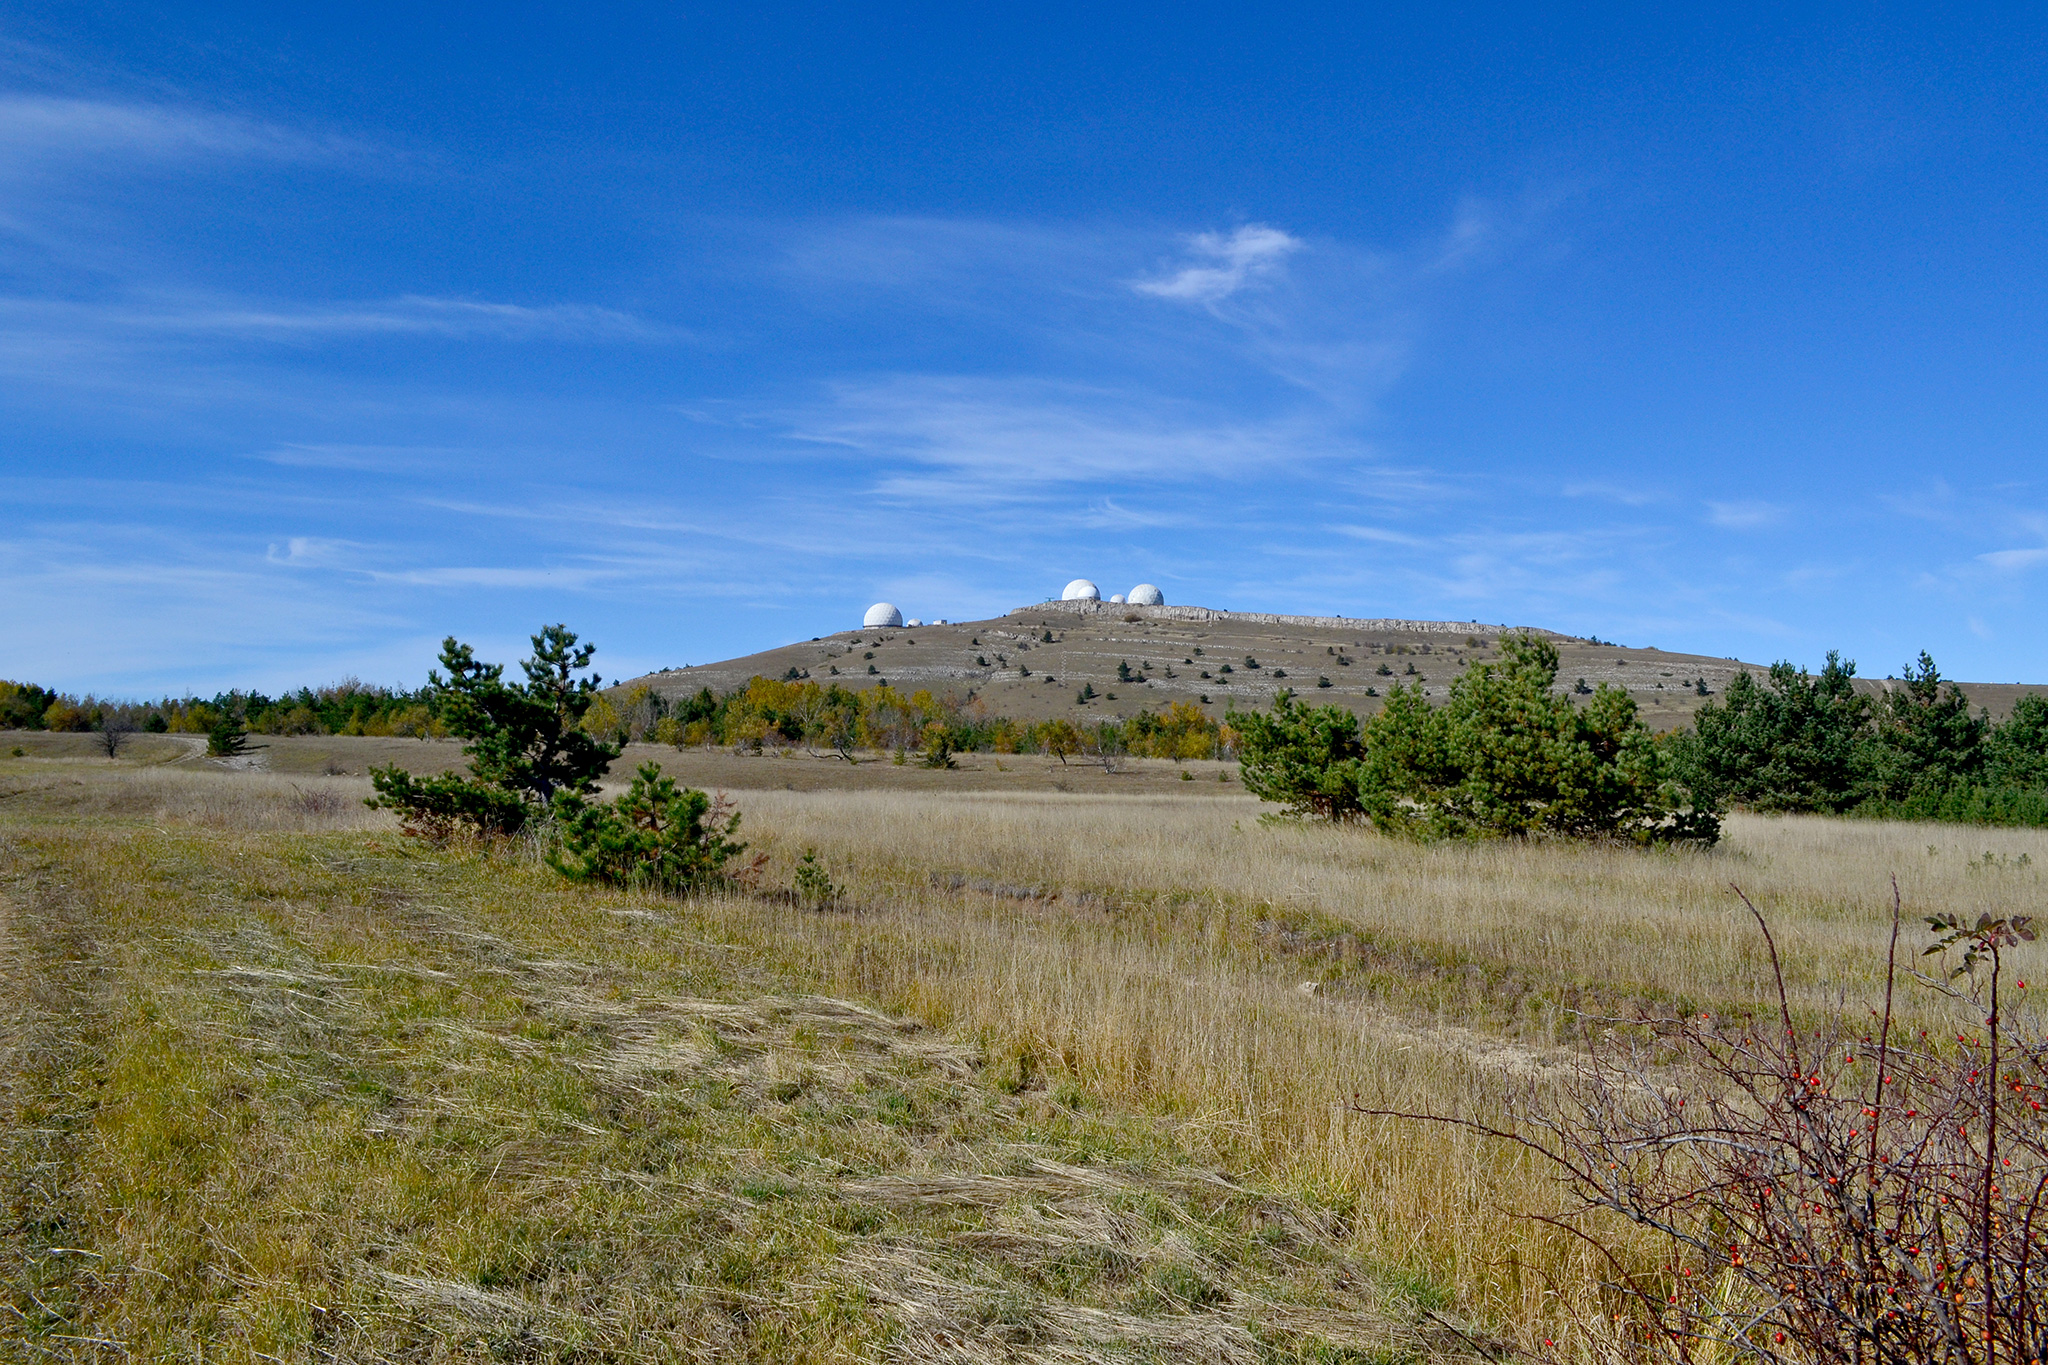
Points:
(1061, 1075)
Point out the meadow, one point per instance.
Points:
(1059, 1072)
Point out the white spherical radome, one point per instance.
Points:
(1081, 590)
(1116, 597)
(913, 621)
(1145, 595)
(882, 614)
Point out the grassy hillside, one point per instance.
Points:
(1059, 1075)
(1170, 654)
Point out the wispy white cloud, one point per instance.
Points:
(958, 256)
(1744, 516)
(412, 314)
(39, 129)
(1379, 535)
(365, 459)
(2012, 561)
(1224, 264)
(999, 439)
(1626, 496)
(384, 566)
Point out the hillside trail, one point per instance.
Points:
(195, 756)
(193, 745)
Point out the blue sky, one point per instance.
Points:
(326, 331)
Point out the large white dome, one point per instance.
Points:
(882, 614)
(1145, 595)
(1080, 590)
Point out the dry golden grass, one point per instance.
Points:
(354, 1098)
(1167, 971)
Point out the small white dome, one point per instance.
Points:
(882, 614)
(913, 621)
(1145, 595)
(1080, 590)
(1116, 597)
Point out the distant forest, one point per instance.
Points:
(1783, 741)
(348, 707)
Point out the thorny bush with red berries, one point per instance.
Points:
(1825, 1193)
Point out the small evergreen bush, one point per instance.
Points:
(812, 884)
(227, 738)
(656, 836)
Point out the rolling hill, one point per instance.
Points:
(1137, 657)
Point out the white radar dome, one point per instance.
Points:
(1116, 597)
(1145, 595)
(913, 621)
(882, 614)
(1080, 590)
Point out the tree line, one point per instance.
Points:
(782, 712)
(1508, 753)
(1795, 741)
(349, 707)
(765, 713)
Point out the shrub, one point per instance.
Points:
(656, 836)
(1505, 755)
(1923, 738)
(1786, 744)
(938, 746)
(2016, 754)
(1965, 804)
(1838, 1194)
(1305, 758)
(227, 737)
(812, 884)
(440, 808)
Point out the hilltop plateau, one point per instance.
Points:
(1145, 658)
